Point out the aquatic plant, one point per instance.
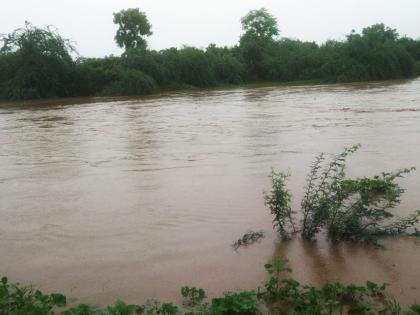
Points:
(278, 201)
(347, 209)
(248, 238)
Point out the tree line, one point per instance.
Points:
(38, 63)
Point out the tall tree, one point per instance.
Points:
(259, 28)
(133, 27)
(259, 24)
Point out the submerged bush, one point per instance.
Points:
(248, 238)
(347, 209)
(278, 201)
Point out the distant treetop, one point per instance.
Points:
(133, 27)
(259, 24)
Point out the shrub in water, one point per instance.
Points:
(348, 209)
(248, 238)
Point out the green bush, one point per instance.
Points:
(24, 300)
(241, 303)
(348, 209)
(35, 63)
(91, 76)
(130, 82)
(248, 238)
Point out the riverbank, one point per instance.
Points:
(192, 90)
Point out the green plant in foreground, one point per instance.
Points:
(192, 296)
(237, 303)
(23, 300)
(287, 296)
(348, 209)
(153, 307)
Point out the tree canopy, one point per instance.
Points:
(259, 24)
(133, 27)
(259, 28)
(34, 62)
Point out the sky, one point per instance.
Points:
(88, 23)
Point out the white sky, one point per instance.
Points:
(200, 22)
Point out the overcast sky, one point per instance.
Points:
(200, 22)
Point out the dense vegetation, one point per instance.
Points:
(279, 294)
(346, 209)
(39, 63)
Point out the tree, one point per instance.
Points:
(259, 24)
(378, 54)
(379, 34)
(133, 26)
(259, 29)
(34, 63)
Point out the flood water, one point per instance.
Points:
(134, 198)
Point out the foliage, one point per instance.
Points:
(188, 65)
(323, 196)
(153, 307)
(130, 82)
(241, 303)
(259, 28)
(226, 66)
(348, 209)
(37, 62)
(414, 310)
(192, 296)
(34, 62)
(248, 238)
(133, 25)
(24, 300)
(278, 201)
(259, 24)
(288, 296)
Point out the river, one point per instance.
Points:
(133, 198)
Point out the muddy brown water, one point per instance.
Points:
(133, 198)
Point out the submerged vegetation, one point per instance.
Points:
(248, 238)
(346, 209)
(38, 63)
(279, 294)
